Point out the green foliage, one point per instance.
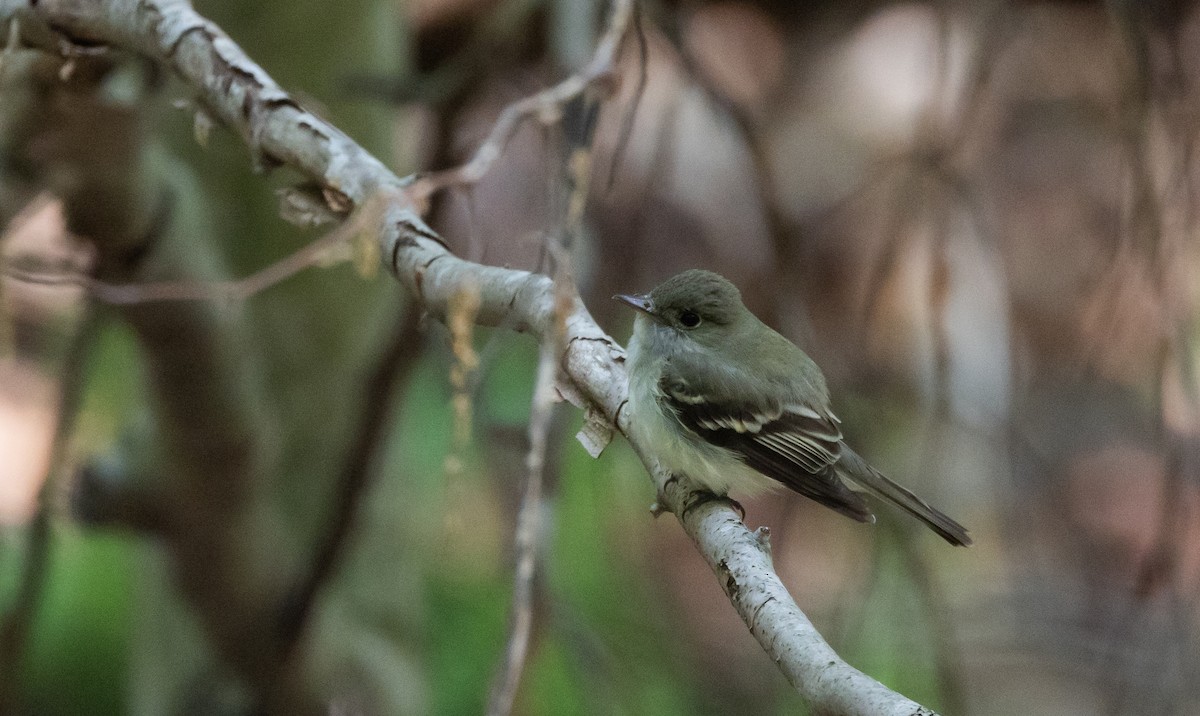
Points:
(111, 394)
(553, 683)
(77, 660)
(466, 623)
(890, 633)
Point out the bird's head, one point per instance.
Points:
(701, 305)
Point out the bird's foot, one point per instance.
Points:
(698, 498)
(661, 502)
(701, 498)
(737, 506)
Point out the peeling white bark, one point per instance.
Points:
(278, 130)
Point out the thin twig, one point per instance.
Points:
(127, 294)
(627, 122)
(529, 528)
(545, 395)
(546, 105)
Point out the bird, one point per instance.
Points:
(724, 399)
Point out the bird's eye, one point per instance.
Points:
(689, 319)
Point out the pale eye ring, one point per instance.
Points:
(689, 319)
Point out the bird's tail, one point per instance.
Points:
(860, 472)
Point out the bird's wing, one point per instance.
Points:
(791, 441)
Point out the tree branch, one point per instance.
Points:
(278, 130)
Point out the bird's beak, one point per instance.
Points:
(640, 302)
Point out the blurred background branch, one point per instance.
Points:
(977, 216)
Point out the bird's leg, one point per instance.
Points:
(700, 498)
(706, 496)
(737, 506)
(660, 502)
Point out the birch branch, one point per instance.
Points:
(233, 89)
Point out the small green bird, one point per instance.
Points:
(734, 405)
